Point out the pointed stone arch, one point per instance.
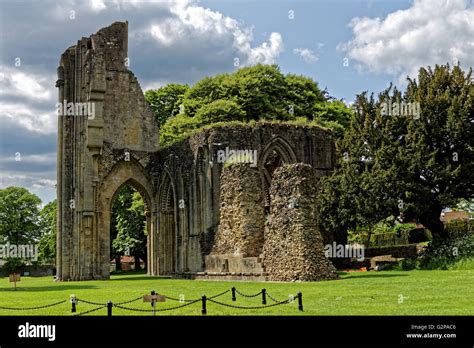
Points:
(123, 173)
(167, 225)
(276, 153)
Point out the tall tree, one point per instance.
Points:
(303, 95)
(440, 144)
(19, 210)
(412, 162)
(47, 225)
(165, 101)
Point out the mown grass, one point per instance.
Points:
(358, 293)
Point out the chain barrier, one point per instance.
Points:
(32, 308)
(155, 310)
(130, 301)
(89, 311)
(89, 302)
(272, 298)
(218, 295)
(204, 299)
(244, 307)
(248, 296)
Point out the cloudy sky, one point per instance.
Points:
(346, 46)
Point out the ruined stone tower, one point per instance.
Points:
(94, 71)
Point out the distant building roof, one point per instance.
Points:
(125, 259)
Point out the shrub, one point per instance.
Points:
(13, 264)
(442, 253)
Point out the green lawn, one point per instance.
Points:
(358, 293)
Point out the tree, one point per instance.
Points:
(303, 95)
(178, 127)
(207, 90)
(130, 224)
(219, 111)
(165, 101)
(47, 225)
(262, 92)
(409, 166)
(440, 144)
(357, 194)
(259, 92)
(335, 111)
(19, 210)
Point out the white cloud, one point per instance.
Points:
(429, 32)
(25, 96)
(43, 183)
(20, 83)
(191, 25)
(28, 117)
(306, 54)
(98, 5)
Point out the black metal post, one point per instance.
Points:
(109, 308)
(300, 301)
(153, 302)
(264, 296)
(233, 293)
(152, 293)
(204, 309)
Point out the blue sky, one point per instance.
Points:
(347, 46)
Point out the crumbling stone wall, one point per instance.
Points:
(293, 247)
(242, 217)
(196, 207)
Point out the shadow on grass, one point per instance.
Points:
(369, 275)
(59, 287)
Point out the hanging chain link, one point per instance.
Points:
(32, 308)
(272, 298)
(244, 307)
(154, 310)
(248, 296)
(89, 311)
(90, 302)
(130, 301)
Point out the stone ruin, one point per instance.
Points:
(205, 219)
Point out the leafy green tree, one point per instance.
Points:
(335, 111)
(178, 127)
(439, 152)
(207, 90)
(254, 93)
(406, 165)
(19, 210)
(357, 193)
(47, 225)
(303, 95)
(165, 101)
(262, 92)
(219, 111)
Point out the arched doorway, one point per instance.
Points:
(125, 173)
(128, 230)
